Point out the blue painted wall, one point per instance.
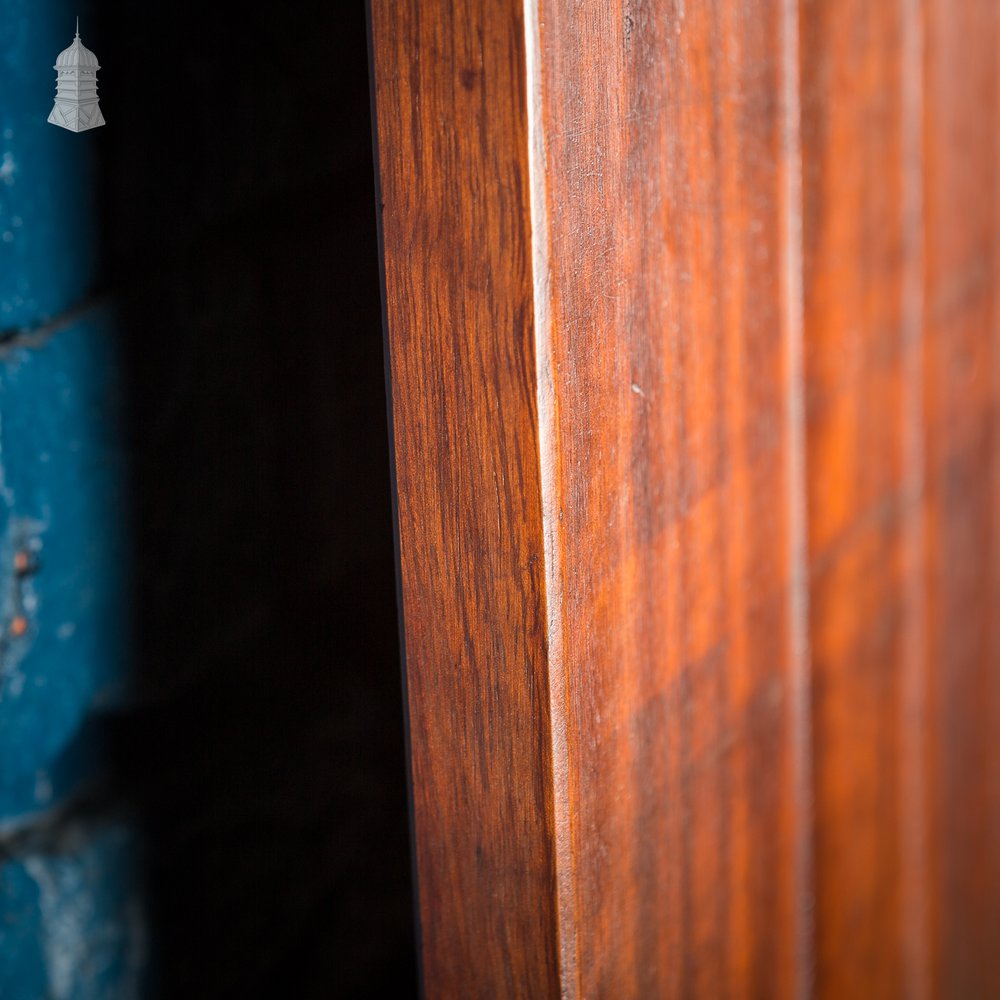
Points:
(63, 509)
(71, 922)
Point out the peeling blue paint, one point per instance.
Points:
(62, 501)
(71, 924)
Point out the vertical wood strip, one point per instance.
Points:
(451, 110)
(993, 789)
(674, 334)
(916, 899)
(857, 363)
(801, 662)
(550, 471)
(961, 428)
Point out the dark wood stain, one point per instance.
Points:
(456, 231)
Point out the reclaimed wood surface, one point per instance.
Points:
(670, 349)
(692, 357)
(451, 107)
(861, 404)
(961, 346)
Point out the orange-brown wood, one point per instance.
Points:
(861, 398)
(962, 394)
(669, 348)
(692, 355)
(451, 109)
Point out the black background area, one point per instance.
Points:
(264, 754)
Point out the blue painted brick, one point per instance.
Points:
(63, 502)
(72, 924)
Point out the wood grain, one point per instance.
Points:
(962, 222)
(857, 414)
(674, 486)
(693, 366)
(451, 112)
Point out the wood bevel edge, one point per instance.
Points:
(564, 845)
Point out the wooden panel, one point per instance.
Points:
(860, 386)
(451, 111)
(900, 224)
(660, 407)
(673, 490)
(962, 225)
(692, 355)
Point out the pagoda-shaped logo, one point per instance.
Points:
(76, 106)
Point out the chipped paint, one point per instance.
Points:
(71, 514)
(76, 927)
(66, 912)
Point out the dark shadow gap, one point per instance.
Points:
(264, 754)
